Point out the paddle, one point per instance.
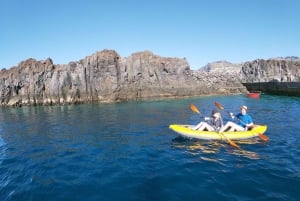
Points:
(218, 105)
(260, 135)
(195, 109)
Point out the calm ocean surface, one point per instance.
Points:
(125, 151)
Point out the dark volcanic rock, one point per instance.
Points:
(105, 77)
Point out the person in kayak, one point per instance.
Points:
(245, 121)
(215, 122)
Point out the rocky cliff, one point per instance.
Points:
(271, 70)
(222, 67)
(105, 76)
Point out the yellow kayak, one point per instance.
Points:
(187, 131)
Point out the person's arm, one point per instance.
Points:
(231, 115)
(207, 118)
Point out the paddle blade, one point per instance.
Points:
(263, 137)
(218, 105)
(233, 144)
(229, 141)
(194, 108)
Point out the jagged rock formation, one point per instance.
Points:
(222, 67)
(105, 77)
(221, 75)
(272, 70)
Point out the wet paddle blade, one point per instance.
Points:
(218, 105)
(230, 141)
(263, 137)
(233, 144)
(194, 108)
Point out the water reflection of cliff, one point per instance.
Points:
(2, 148)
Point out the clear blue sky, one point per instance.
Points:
(202, 31)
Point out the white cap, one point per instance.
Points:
(244, 107)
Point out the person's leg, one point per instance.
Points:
(205, 127)
(209, 128)
(235, 127)
(226, 127)
(198, 126)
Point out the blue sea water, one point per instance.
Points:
(125, 151)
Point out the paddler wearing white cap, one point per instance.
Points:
(245, 121)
